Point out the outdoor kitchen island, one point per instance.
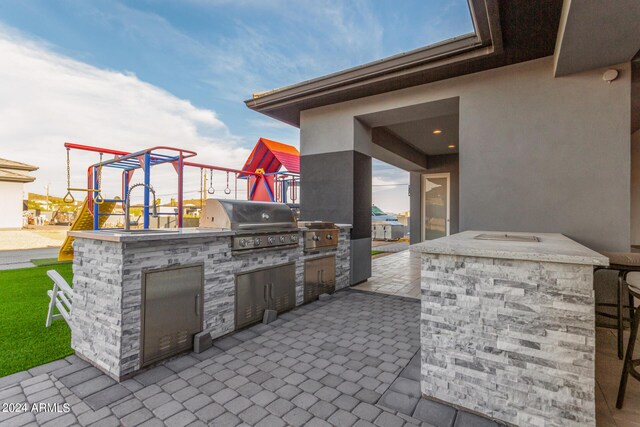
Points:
(189, 278)
(508, 326)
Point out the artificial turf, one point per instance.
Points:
(48, 261)
(24, 340)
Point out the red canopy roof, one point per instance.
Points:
(271, 156)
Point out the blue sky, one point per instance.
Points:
(215, 53)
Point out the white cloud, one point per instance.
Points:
(390, 189)
(380, 183)
(47, 99)
(270, 124)
(313, 38)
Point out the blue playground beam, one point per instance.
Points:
(147, 181)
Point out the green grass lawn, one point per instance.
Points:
(24, 340)
(376, 253)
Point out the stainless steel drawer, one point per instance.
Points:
(172, 306)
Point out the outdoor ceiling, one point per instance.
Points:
(404, 136)
(596, 34)
(419, 134)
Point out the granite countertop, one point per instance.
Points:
(551, 247)
(164, 234)
(154, 234)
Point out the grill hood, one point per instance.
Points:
(246, 215)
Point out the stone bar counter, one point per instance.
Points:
(108, 266)
(508, 326)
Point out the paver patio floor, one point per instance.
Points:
(342, 362)
(395, 274)
(350, 360)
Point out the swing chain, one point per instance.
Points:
(211, 190)
(228, 189)
(98, 199)
(68, 198)
(201, 187)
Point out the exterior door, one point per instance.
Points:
(435, 206)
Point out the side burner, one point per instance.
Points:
(319, 235)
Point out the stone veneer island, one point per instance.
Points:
(108, 271)
(508, 327)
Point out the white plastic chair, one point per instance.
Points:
(61, 297)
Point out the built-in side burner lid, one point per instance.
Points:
(317, 225)
(246, 215)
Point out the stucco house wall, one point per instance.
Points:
(536, 153)
(11, 194)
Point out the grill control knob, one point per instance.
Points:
(329, 237)
(294, 238)
(316, 238)
(271, 240)
(256, 241)
(243, 242)
(282, 239)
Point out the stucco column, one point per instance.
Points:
(336, 186)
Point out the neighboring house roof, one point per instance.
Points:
(11, 176)
(13, 165)
(271, 156)
(506, 32)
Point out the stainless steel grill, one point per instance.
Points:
(258, 225)
(319, 235)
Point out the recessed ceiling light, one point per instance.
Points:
(437, 131)
(451, 146)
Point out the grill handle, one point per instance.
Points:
(262, 226)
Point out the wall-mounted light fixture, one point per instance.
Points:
(610, 75)
(437, 131)
(451, 146)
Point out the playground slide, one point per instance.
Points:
(83, 221)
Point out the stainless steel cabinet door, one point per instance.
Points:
(282, 287)
(251, 297)
(172, 311)
(319, 277)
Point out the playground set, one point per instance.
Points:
(271, 172)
